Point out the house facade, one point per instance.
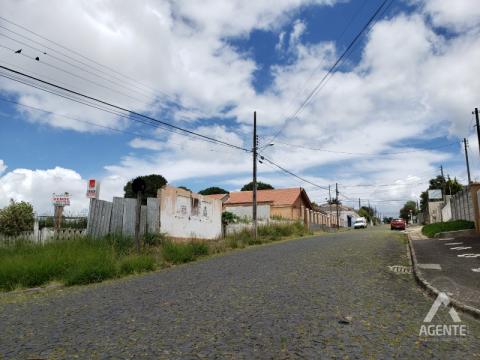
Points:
(186, 215)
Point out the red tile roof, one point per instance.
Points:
(276, 197)
(217, 196)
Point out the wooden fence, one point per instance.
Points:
(118, 217)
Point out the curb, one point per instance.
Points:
(433, 291)
(466, 232)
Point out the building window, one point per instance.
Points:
(195, 207)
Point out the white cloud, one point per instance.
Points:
(411, 83)
(139, 143)
(3, 166)
(458, 15)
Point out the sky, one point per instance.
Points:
(395, 110)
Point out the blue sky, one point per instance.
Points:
(403, 89)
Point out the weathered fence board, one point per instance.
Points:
(153, 215)
(119, 217)
(143, 219)
(116, 221)
(129, 217)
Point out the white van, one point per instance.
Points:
(360, 222)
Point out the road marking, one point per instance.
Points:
(457, 243)
(458, 248)
(476, 270)
(469, 255)
(430, 266)
(446, 239)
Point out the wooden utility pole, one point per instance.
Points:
(359, 204)
(465, 143)
(138, 187)
(254, 190)
(443, 183)
(336, 200)
(330, 204)
(478, 126)
(58, 216)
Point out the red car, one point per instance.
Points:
(398, 224)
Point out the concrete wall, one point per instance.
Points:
(434, 212)
(462, 206)
(447, 209)
(186, 215)
(245, 211)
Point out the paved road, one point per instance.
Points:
(278, 301)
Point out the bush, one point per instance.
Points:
(154, 239)
(16, 218)
(137, 264)
(431, 229)
(178, 253)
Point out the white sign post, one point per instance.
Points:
(93, 189)
(59, 202)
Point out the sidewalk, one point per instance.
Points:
(451, 265)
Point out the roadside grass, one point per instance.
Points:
(86, 260)
(431, 229)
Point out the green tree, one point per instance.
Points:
(452, 186)
(184, 188)
(260, 186)
(152, 184)
(213, 190)
(366, 212)
(409, 206)
(16, 218)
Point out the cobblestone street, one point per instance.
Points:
(321, 297)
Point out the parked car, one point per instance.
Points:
(360, 223)
(398, 224)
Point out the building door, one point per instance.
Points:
(349, 220)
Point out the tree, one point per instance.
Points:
(366, 212)
(260, 186)
(387, 220)
(184, 188)
(152, 184)
(334, 201)
(213, 190)
(16, 218)
(451, 188)
(410, 206)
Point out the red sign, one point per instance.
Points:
(93, 189)
(61, 199)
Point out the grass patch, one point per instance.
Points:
(265, 234)
(431, 229)
(137, 264)
(178, 253)
(85, 260)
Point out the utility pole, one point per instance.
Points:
(443, 183)
(478, 126)
(330, 204)
(336, 200)
(465, 143)
(359, 204)
(254, 190)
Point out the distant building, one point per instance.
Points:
(277, 203)
(347, 215)
(186, 215)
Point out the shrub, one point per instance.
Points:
(16, 218)
(178, 253)
(154, 239)
(137, 264)
(91, 269)
(431, 229)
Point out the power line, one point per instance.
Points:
(122, 108)
(139, 135)
(367, 154)
(43, 62)
(140, 87)
(332, 68)
(292, 174)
